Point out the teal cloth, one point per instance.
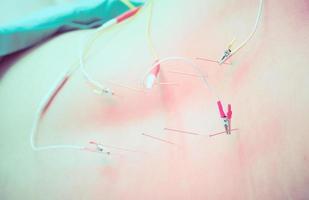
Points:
(58, 19)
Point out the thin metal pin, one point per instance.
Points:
(120, 148)
(181, 131)
(127, 87)
(166, 83)
(159, 139)
(184, 73)
(234, 129)
(209, 60)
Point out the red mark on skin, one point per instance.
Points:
(230, 171)
(130, 109)
(173, 98)
(168, 95)
(110, 173)
(262, 140)
(241, 74)
(246, 65)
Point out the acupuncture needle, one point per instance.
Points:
(184, 73)
(219, 133)
(127, 87)
(122, 149)
(194, 133)
(159, 139)
(181, 131)
(209, 60)
(167, 83)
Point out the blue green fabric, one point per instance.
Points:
(58, 19)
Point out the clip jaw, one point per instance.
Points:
(106, 91)
(227, 53)
(226, 124)
(98, 148)
(226, 117)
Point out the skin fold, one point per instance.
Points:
(267, 158)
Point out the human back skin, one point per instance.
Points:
(267, 158)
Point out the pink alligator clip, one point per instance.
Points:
(226, 117)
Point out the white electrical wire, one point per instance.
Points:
(257, 21)
(128, 4)
(253, 31)
(50, 95)
(188, 61)
(88, 39)
(39, 114)
(86, 75)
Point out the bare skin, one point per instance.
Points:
(267, 158)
